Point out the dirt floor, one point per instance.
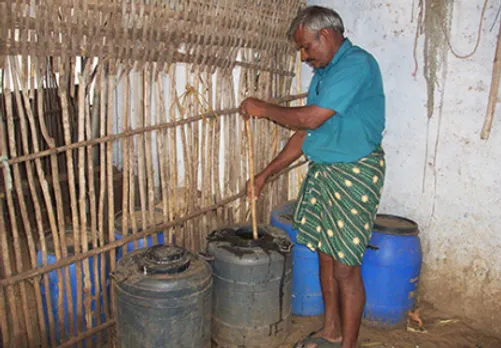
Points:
(440, 330)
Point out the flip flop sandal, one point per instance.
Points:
(300, 343)
(319, 341)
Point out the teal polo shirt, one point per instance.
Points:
(352, 86)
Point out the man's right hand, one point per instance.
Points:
(259, 182)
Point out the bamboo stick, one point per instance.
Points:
(109, 181)
(22, 92)
(212, 150)
(126, 156)
(193, 129)
(88, 333)
(60, 213)
(99, 270)
(12, 211)
(176, 236)
(251, 173)
(493, 94)
(235, 170)
(63, 93)
(140, 130)
(148, 149)
(205, 164)
(140, 116)
(6, 261)
(82, 199)
(102, 91)
(216, 163)
(4, 325)
(162, 149)
(133, 169)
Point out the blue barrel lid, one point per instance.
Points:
(158, 219)
(396, 225)
(68, 239)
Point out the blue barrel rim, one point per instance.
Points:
(70, 243)
(118, 221)
(395, 225)
(285, 217)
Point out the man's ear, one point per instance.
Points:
(325, 33)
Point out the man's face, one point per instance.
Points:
(313, 47)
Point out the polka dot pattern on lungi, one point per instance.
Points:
(337, 206)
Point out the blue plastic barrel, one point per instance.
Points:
(390, 271)
(157, 219)
(306, 291)
(54, 292)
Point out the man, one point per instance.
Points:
(340, 133)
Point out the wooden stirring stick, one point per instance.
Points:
(251, 172)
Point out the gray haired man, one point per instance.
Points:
(340, 133)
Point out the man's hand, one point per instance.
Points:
(259, 181)
(252, 107)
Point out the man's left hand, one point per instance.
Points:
(252, 107)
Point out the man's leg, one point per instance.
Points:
(352, 296)
(330, 292)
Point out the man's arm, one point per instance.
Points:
(301, 118)
(291, 152)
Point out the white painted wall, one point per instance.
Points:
(456, 200)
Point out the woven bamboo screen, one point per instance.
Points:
(125, 106)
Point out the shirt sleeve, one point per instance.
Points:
(340, 87)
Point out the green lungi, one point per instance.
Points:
(337, 206)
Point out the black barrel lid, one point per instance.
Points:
(396, 225)
(164, 259)
(242, 237)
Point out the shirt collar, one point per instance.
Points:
(345, 46)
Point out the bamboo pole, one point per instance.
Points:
(102, 92)
(126, 156)
(82, 199)
(216, 164)
(139, 130)
(6, 261)
(251, 173)
(177, 237)
(493, 95)
(57, 194)
(98, 267)
(4, 325)
(109, 180)
(88, 333)
(152, 215)
(21, 91)
(133, 170)
(43, 246)
(141, 161)
(205, 162)
(12, 210)
(63, 93)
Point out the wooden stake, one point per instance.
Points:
(251, 173)
(493, 96)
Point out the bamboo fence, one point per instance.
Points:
(125, 113)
